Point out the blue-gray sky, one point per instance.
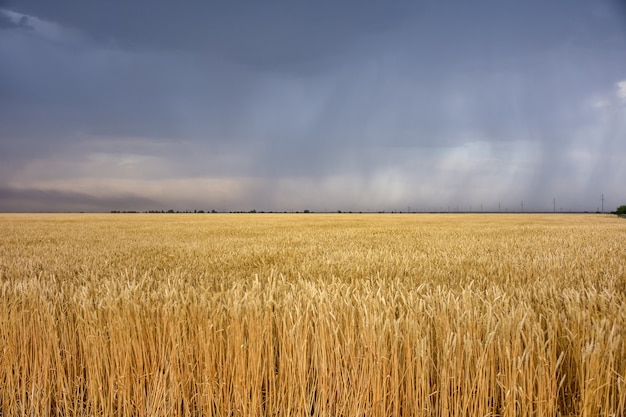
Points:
(324, 105)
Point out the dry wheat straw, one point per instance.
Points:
(217, 315)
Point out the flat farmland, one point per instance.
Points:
(312, 314)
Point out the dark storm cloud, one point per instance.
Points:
(261, 35)
(416, 101)
(153, 69)
(6, 22)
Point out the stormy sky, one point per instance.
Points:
(320, 105)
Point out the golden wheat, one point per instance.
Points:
(324, 315)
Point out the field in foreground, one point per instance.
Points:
(325, 315)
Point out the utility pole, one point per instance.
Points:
(602, 202)
(499, 208)
(554, 205)
(522, 206)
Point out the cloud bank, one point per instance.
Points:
(325, 106)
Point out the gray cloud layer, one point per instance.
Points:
(278, 105)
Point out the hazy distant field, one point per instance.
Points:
(307, 314)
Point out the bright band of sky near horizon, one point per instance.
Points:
(114, 105)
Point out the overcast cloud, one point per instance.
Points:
(350, 105)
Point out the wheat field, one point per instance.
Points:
(312, 315)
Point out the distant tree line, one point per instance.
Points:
(621, 211)
(253, 211)
(164, 211)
